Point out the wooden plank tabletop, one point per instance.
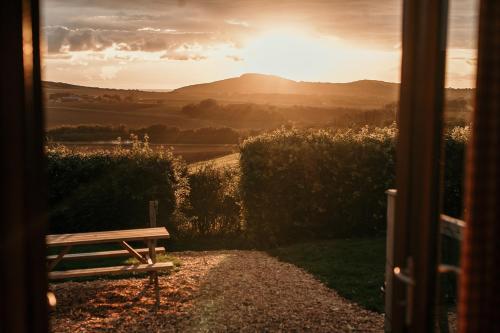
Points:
(107, 236)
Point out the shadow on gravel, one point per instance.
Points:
(213, 291)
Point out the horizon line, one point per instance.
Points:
(159, 90)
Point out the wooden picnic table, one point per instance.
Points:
(107, 236)
(145, 256)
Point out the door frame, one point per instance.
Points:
(419, 165)
(23, 214)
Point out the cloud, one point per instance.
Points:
(367, 22)
(61, 39)
(183, 57)
(167, 31)
(143, 32)
(149, 29)
(55, 37)
(235, 58)
(237, 22)
(362, 21)
(185, 52)
(109, 72)
(58, 56)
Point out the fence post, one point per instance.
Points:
(153, 212)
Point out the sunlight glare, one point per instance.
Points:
(289, 53)
(300, 55)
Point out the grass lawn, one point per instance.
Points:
(353, 267)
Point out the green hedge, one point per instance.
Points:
(307, 184)
(111, 190)
(292, 185)
(213, 205)
(455, 141)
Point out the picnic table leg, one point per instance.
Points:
(157, 290)
(153, 212)
(151, 257)
(59, 257)
(153, 276)
(133, 252)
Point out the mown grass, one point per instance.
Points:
(353, 267)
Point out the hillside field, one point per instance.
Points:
(190, 153)
(251, 101)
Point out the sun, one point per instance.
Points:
(289, 53)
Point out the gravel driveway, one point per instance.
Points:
(216, 291)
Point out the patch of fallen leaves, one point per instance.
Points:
(216, 291)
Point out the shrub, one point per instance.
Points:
(86, 133)
(157, 134)
(454, 149)
(307, 184)
(213, 203)
(105, 190)
(291, 185)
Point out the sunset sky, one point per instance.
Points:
(161, 44)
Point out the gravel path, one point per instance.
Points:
(216, 291)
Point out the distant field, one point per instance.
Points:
(128, 115)
(191, 153)
(248, 102)
(219, 162)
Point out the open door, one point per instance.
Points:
(23, 283)
(417, 222)
(418, 170)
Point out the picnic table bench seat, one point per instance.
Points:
(104, 254)
(145, 256)
(54, 275)
(107, 236)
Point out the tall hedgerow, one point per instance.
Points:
(106, 190)
(455, 141)
(291, 185)
(213, 206)
(307, 184)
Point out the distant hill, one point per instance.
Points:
(59, 87)
(247, 84)
(257, 88)
(298, 101)
(275, 90)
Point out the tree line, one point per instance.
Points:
(157, 134)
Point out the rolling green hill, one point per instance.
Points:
(299, 102)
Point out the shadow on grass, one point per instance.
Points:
(353, 267)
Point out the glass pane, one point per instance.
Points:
(460, 80)
(281, 116)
